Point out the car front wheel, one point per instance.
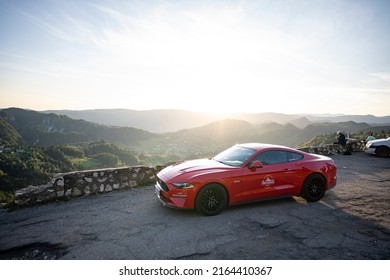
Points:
(313, 188)
(211, 200)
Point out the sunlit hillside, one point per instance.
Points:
(36, 145)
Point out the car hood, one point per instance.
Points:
(193, 168)
(380, 141)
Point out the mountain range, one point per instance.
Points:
(161, 121)
(37, 128)
(34, 145)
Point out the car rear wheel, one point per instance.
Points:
(313, 188)
(211, 200)
(382, 151)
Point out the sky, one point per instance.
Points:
(290, 56)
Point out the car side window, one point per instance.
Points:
(294, 156)
(272, 157)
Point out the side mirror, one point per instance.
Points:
(256, 164)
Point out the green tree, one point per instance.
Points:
(72, 151)
(107, 159)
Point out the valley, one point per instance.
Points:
(34, 145)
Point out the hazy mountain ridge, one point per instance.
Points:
(38, 128)
(35, 145)
(158, 121)
(162, 121)
(229, 132)
(45, 129)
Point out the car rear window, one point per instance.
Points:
(294, 156)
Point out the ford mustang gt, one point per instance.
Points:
(245, 173)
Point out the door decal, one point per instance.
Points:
(268, 181)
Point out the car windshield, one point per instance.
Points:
(234, 156)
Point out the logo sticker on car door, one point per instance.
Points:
(268, 181)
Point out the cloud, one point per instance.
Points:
(175, 51)
(24, 64)
(379, 81)
(52, 28)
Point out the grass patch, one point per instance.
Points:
(86, 163)
(6, 198)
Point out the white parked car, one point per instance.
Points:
(379, 147)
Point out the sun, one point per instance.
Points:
(214, 62)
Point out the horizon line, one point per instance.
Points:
(199, 112)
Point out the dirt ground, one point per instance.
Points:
(352, 221)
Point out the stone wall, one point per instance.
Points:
(85, 183)
(334, 149)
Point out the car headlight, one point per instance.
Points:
(183, 185)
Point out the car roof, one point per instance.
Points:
(261, 146)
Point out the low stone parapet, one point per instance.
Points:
(336, 149)
(85, 183)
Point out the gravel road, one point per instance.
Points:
(352, 221)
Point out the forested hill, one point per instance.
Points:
(8, 134)
(35, 145)
(209, 139)
(34, 128)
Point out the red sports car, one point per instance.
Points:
(245, 173)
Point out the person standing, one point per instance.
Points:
(370, 137)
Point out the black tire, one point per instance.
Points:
(211, 200)
(313, 189)
(382, 151)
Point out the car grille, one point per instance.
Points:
(162, 185)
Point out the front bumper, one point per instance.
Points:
(158, 191)
(173, 198)
(369, 150)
